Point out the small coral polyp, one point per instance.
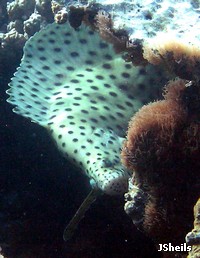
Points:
(162, 150)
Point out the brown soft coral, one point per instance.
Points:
(177, 57)
(152, 131)
(162, 150)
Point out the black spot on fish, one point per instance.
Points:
(125, 75)
(102, 98)
(52, 32)
(103, 45)
(89, 70)
(89, 62)
(57, 49)
(89, 140)
(43, 58)
(107, 85)
(106, 108)
(43, 79)
(84, 111)
(57, 62)
(120, 114)
(59, 75)
(113, 77)
(40, 41)
(129, 104)
(76, 104)
(83, 41)
(41, 49)
(74, 81)
(113, 94)
(103, 118)
(60, 103)
(92, 53)
(142, 71)
(74, 54)
(94, 108)
(99, 77)
(70, 68)
(128, 66)
(108, 57)
(94, 88)
(86, 94)
(67, 42)
(57, 83)
(67, 34)
(89, 80)
(34, 90)
(46, 67)
(52, 41)
(77, 98)
(94, 120)
(90, 32)
(120, 106)
(106, 66)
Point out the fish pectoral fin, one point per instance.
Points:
(73, 224)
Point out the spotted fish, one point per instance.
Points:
(74, 84)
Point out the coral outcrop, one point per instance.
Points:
(162, 150)
(19, 20)
(193, 238)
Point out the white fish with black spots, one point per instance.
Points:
(74, 84)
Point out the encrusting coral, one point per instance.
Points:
(162, 150)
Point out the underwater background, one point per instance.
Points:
(40, 191)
